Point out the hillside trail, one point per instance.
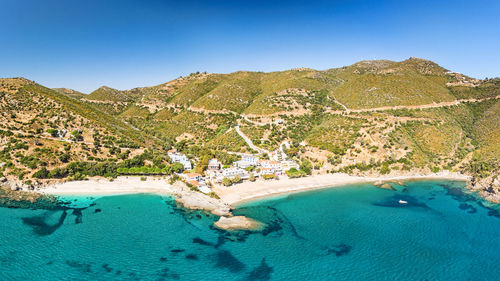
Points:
(412, 107)
(383, 108)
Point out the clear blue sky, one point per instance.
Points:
(124, 44)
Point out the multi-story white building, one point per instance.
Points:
(270, 167)
(266, 171)
(180, 158)
(270, 164)
(288, 164)
(233, 172)
(247, 160)
(193, 177)
(250, 158)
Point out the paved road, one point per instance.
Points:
(249, 141)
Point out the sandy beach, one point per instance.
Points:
(231, 195)
(249, 191)
(133, 185)
(120, 185)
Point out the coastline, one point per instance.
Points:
(229, 196)
(104, 187)
(251, 191)
(134, 185)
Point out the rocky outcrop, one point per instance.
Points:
(199, 201)
(488, 187)
(22, 199)
(238, 223)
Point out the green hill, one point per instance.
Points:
(109, 94)
(442, 120)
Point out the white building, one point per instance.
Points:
(214, 164)
(200, 186)
(288, 164)
(233, 172)
(193, 177)
(266, 171)
(242, 164)
(180, 158)
(270, 164)
(250, 158)
(270, 167)
(247, 160)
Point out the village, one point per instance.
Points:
(250, 167)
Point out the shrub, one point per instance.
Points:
(269, 177)
(385, 169)
(53, 132)
(64, 158)
(213, 195)
(236, 179)
(226, 181)
(294, 173)
(174, 178)
(43, 173)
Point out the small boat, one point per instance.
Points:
(402, 202)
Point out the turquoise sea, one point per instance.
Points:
(356, 232)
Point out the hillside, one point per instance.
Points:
(70, 93)
(370, 118)
(40, 127)
(365, 84)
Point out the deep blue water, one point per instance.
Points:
(355, 232)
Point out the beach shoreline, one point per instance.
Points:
(265, 189)
(232, 195)
(229, 197)
(105, 187)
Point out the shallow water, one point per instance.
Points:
(356, 232)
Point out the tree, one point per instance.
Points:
(293, 151)
(226, 182)
(43, 173)
(202, 165)
(177, 167)
(252, 177)
(77, 136)
(306, 166)
(53, 132)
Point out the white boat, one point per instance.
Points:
(403, 202)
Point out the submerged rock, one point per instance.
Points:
(27, 200)
(383, 185)
(238, 223)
